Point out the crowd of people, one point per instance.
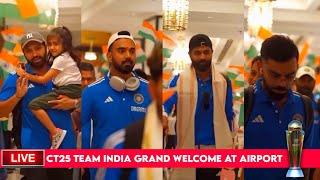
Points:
(57, 103)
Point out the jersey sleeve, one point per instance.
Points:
(86, 116)
(229, 104)
(9, 87)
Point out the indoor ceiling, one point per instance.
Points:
(299, 19)
(225, 19)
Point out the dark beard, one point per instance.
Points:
(202, 66)
(126, 66)
(39, 64)
(275, 96)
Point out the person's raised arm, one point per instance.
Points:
(11, 93)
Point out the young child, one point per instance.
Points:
(65, 76)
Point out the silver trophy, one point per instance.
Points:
(295, 136)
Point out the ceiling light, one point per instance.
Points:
(260, 14)
(175, 14)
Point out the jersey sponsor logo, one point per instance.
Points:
(138, 98)
(258, 119)
(298, 117)
(138, 109)
(108, 100)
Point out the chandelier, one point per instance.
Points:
(260, 14)
(175, 14)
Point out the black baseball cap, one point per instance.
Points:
(199, 40)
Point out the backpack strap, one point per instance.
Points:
(308, 110)
(248, 105)
(133, 140)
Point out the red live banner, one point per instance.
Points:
(19, 158)
(262, 158)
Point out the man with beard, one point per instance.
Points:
(144, 134)
(305, 83)
(274, 104)
(118, 99)
(16, 94)
(255, 70)
(204, 107)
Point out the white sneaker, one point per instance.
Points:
(58, 138)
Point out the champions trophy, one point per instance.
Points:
(295, 136)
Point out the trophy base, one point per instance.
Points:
(294, 172)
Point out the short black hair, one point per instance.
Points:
(279, 48)
(155, 62)
(255, 59)
(86, 67)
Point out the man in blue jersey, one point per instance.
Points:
(254, 70)
(118, 99)
(204, 107)
(144, 134)
(17, 92)
(274, 104)
(305, 83)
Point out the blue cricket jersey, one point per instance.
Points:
(266, 128)
(33, 134)
(204, 127)
(316, 127)
(110, 111)
(117, 140)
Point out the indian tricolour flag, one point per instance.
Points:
(35, 11)
(232, 73)
(8, 62)
(148, 32)
(11, 54)
(151, 34)
(236, 75)
(12, 36)
(141, 55)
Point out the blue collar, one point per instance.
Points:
(108, 75)
(29, 69)
(206, 80)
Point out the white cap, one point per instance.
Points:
(119, 35)
(306, 70)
